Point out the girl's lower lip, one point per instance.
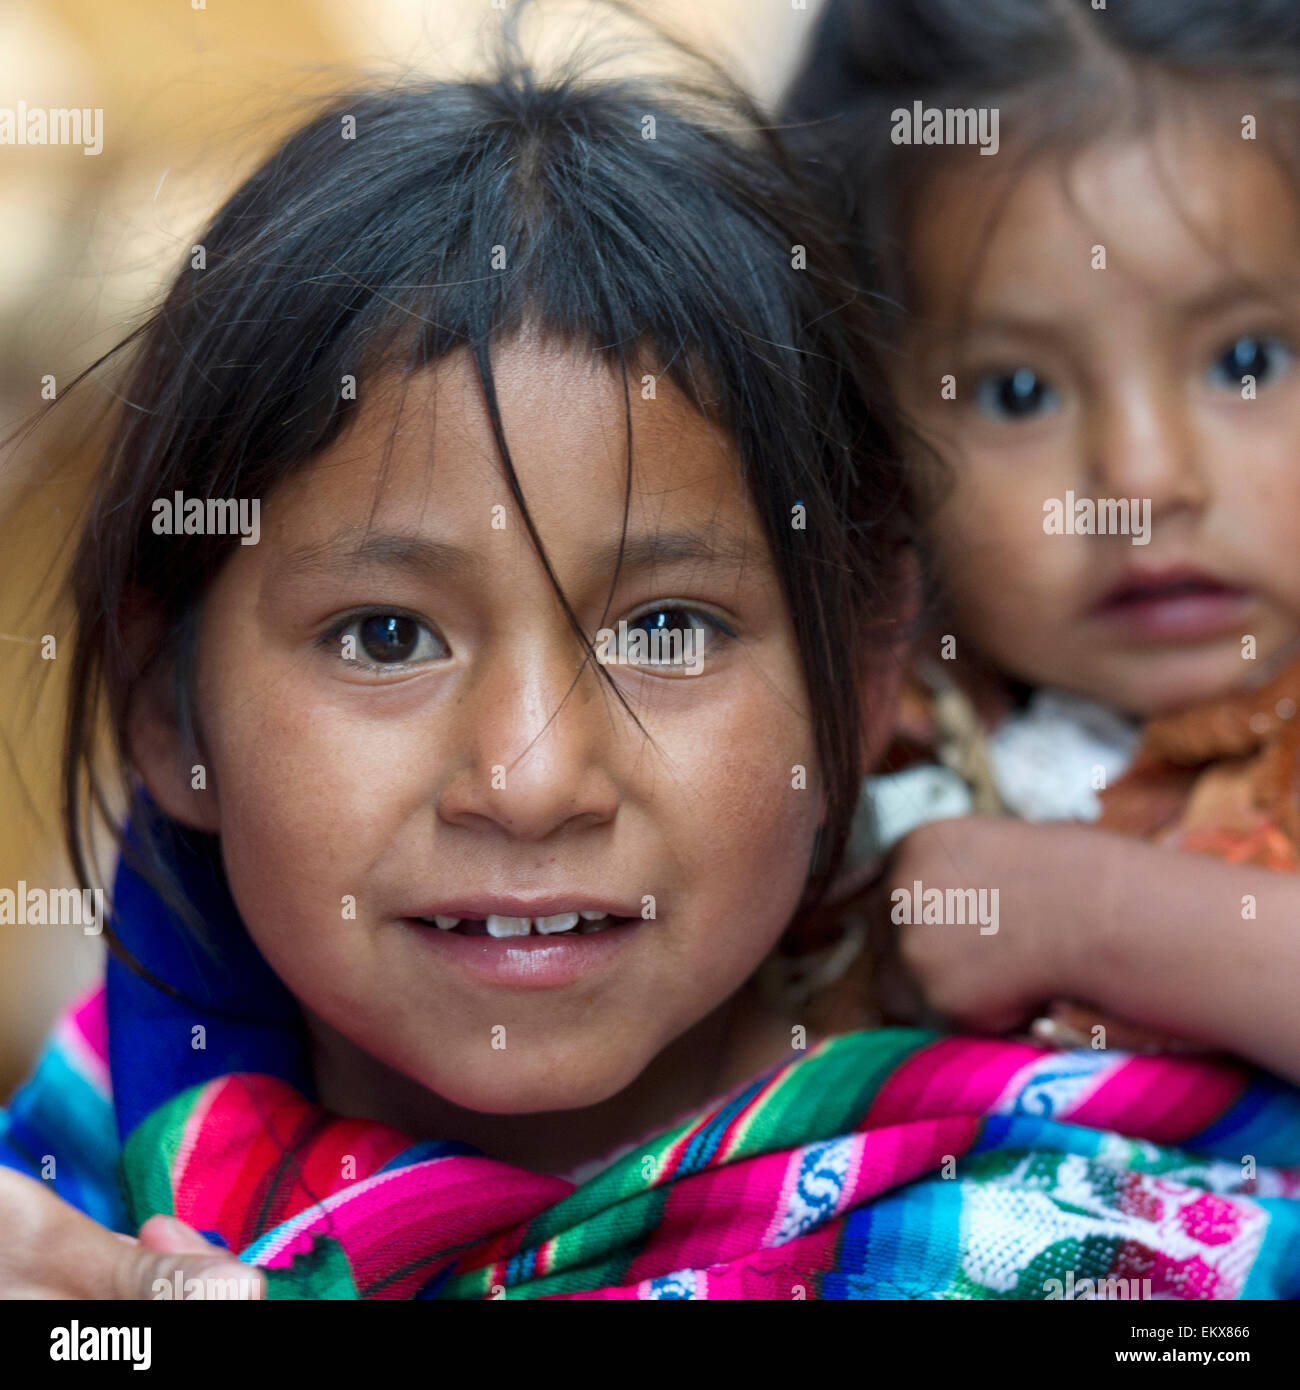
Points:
(1177, 617)
(528, 962)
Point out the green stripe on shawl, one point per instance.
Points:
(322, 1272)
(147, 1181)
(594, 1254)
(828, 1092)
(600, 1229)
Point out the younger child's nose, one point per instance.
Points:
(1143, 444)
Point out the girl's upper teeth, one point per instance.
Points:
(507, 926)
(562, 921)
(499, 925)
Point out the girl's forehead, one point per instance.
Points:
(423, 450)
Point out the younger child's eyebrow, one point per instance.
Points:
(937, 337)
(1042, 330)
(1237, 292)
(1223, 294)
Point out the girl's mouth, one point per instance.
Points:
(582, 923)
(529, 953)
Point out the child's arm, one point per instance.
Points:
(1180, 943)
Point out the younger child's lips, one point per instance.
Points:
(1172, 605)
(1137, 580)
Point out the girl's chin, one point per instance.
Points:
(531, 1090)
(523, 1100)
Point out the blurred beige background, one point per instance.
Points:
(191, 97)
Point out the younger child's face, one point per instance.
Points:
(1077, 383)
(459, 765)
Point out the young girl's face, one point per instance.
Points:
(1117, 373)
(460, 764)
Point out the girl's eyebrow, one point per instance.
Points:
(394, 550)
(714, 546)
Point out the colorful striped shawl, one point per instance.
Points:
(880, 1164)
(884, 1164)
(887, 1164)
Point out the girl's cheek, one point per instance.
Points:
(301, 794)
(764, 815)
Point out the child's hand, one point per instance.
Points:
(995, 957)
(1159, 945)
(49, 1250)
(1067, 1024)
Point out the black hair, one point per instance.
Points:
(1058, 71)
(659, 223)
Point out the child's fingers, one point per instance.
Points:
(143, 1274)
(207, 1271)
(49, 1250)
(167, 1235)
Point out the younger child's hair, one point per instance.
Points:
(1058, 72)
(660, 224)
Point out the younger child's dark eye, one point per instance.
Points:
(1016, 395)
(1261, 358)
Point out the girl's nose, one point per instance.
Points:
(1143, 444)
(530, 746)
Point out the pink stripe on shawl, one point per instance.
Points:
(1163, 1099)
(735, 1210)
(82, 1034)
(966, 1075)
(437, 1205)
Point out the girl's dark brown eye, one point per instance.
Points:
(379, 639)
(389, 636)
